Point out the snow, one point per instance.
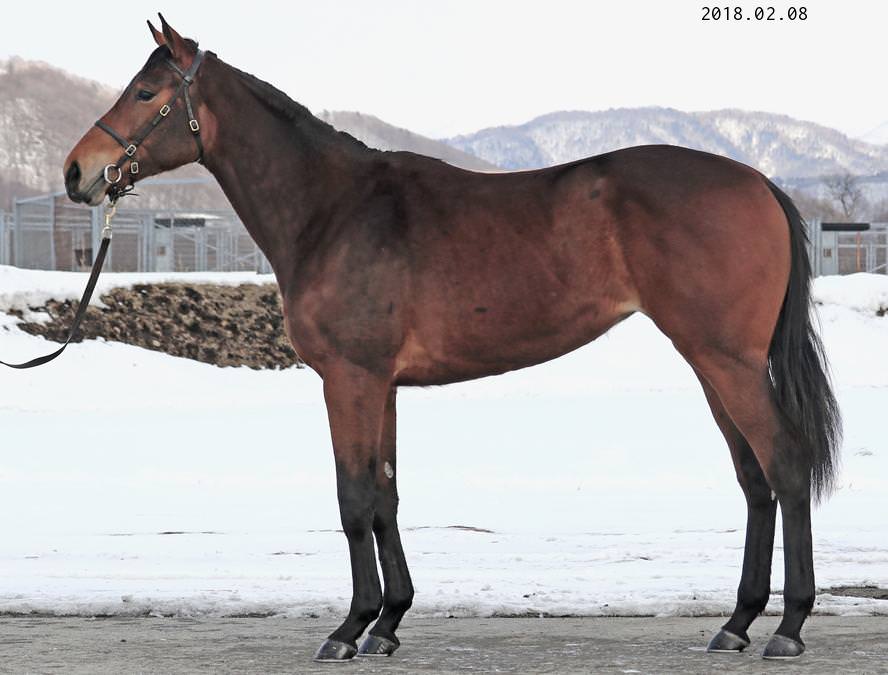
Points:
(132, 482)
(865, 293)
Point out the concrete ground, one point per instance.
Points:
(578, 645)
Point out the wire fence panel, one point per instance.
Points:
(50, 232)
(33, 244)
(862, 252)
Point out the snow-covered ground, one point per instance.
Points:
(135, 482)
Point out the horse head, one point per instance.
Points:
(153, 127)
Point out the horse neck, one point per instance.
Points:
(279, 174)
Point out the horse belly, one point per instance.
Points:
(482, 343)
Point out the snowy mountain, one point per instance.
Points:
(877, 135)
(43, 111)
(775, 144)
(378, 134)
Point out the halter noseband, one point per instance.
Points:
(130, 146)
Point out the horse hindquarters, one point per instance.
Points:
(743, 323)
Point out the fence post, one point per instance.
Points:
(152, 242)
(144, 235)
(200, 248)
(172, 243)
(814, 246)
(17, 244)
(52, 233)
(3, 242)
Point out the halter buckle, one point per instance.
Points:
(107, 177)
(195, 127)
(134, 167)
(165, 110)
(130, 150)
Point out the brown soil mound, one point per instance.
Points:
(222, 325)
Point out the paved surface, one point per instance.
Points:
(274, 645)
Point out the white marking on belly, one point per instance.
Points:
(389, 471)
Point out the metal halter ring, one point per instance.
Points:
(108, 178)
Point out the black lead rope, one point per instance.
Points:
(84, 301)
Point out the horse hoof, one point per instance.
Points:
(782, 647)
(373, 645)
(334, 651)
(725, 641)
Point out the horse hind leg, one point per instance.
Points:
(761, 513)
(743, 385)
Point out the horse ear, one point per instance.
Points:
(157, 35)
(178, 47)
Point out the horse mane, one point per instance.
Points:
(286, 108)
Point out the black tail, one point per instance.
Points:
(798, 365)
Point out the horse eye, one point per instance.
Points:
(145, 95)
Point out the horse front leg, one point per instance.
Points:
(398, 595)
(356, 402)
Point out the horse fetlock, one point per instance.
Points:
(753, 603)
(803, 603)
(368, 612)
(399, 603)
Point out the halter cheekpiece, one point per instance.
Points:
(114, 172)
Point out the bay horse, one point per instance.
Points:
(396, 269)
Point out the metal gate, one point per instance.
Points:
(846, 248)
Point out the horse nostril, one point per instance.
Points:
(72, 177)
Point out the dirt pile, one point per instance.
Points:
(222, 325)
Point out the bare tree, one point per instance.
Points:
(879, 212)
(844, 189)
(814, 208)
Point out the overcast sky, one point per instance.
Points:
(446, 67)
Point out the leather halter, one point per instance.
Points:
(131, 146)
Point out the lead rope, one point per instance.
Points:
(84, 301)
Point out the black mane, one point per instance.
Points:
(285, 107)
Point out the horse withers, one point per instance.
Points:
(396, 269)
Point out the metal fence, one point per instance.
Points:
(50, 232)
